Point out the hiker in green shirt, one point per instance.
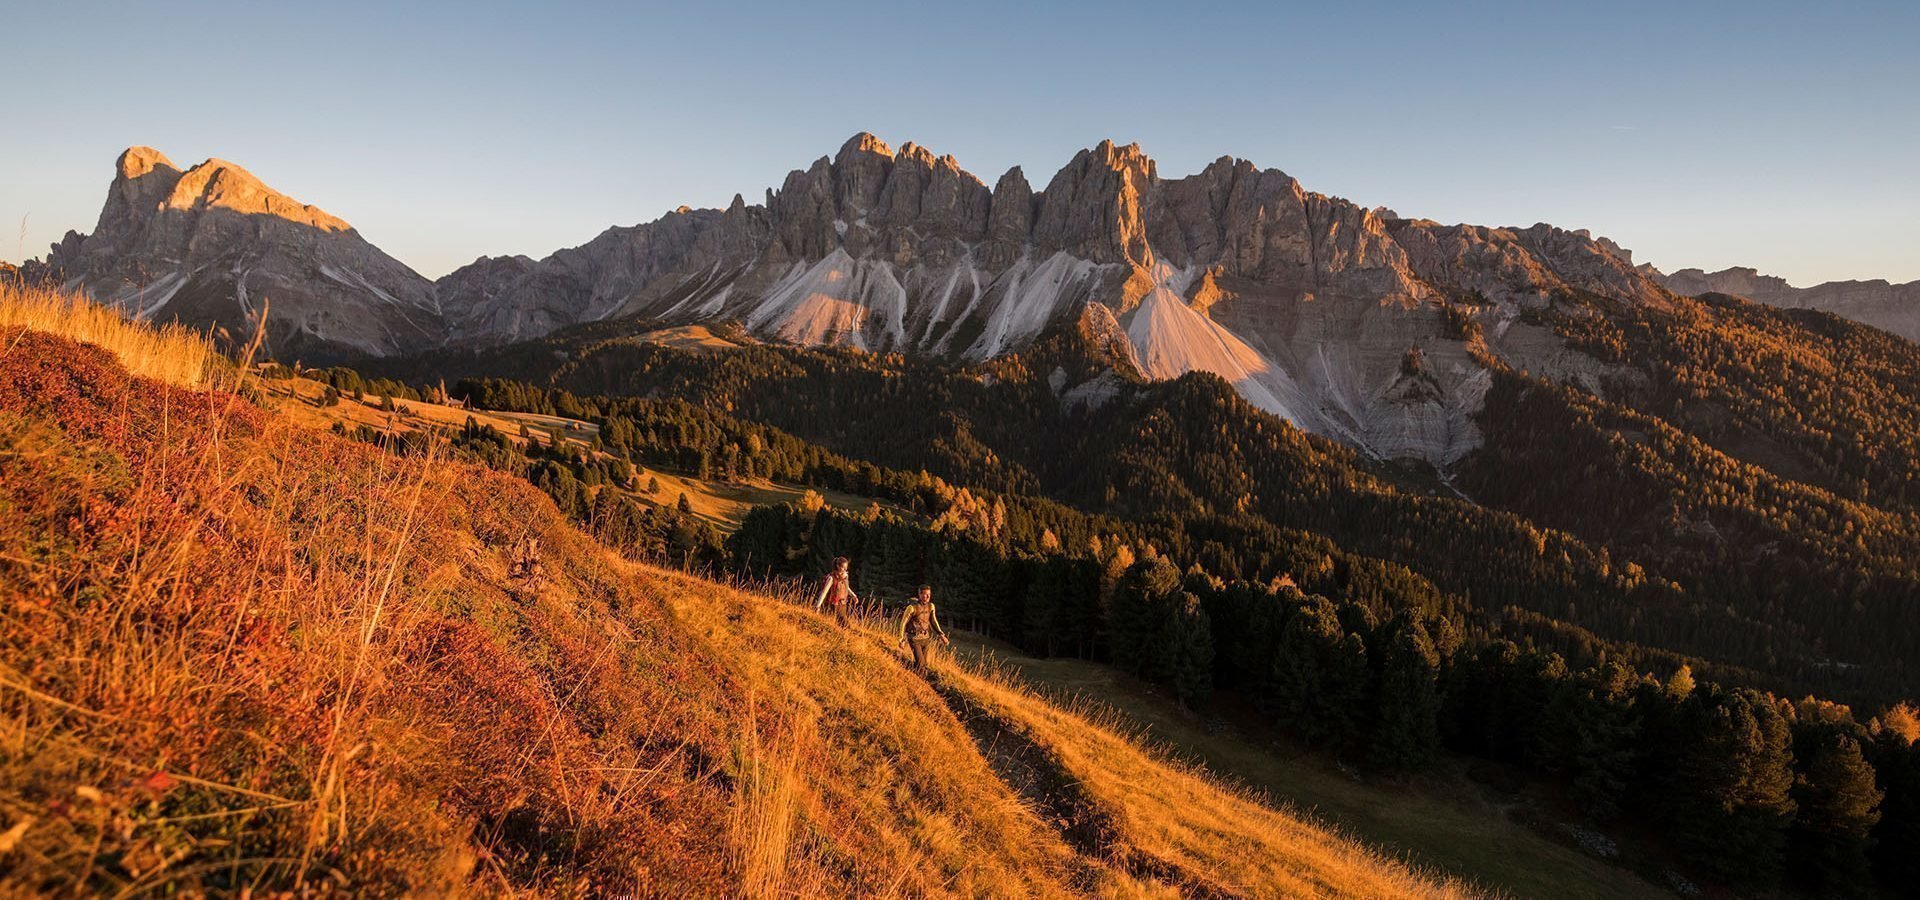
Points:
(920, 625)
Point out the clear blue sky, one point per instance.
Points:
(1784, 136)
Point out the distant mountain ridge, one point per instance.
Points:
(1890, 307)
(1349, 321)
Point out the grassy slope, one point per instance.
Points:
(1442, 821)
(238, 652)
(317, 645)
(720, 504)
(1156, 815)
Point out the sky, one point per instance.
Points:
(1782, 136)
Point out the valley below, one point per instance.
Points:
(1291, 547)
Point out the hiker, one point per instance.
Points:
(919, 625)
(836, 592)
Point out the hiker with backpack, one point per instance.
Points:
(836, 592)
(920, 626)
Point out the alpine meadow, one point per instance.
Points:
(1096, 530)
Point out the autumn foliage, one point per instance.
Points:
(238, 654)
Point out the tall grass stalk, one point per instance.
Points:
(766, 814)
(171, 353)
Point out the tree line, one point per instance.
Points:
(1412, 620)
(1751, 789)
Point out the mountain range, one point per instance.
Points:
(1351, 322)
(1889, 307)
(1644, 511)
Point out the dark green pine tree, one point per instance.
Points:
(1406, 732)
(1357, 620)
(1079, 620)
(1045, 608)
(1320, 677)
(1606, 741)
(1663, 739)
(891, 566)
(1138, 605)
(1839, 805)
(1113, 568)
(1896, 840)
(1474, 716)
(1734, 778)
(967, 582)
(683, 542)
(1247, 650)
(759, 548)
(1188, 644)
(833, 534)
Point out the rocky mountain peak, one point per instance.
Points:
(916, 153)
(204, 246)
(1126, 157)
(1093, 207)
(136, 162)
(143, 180)
(863, 143)
(218, 184)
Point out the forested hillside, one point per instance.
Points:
(245, 656)
(1550, 602)
(1598, 549)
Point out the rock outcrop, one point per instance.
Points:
(1308, 304)
(1890, 307)
(501, 299)
(211, 245)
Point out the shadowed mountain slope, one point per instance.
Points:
(244, 654)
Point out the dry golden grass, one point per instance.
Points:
(170, 353)
(766, 814)
(1168, 816)
(698, 338)
(891, 797)
(238, 654)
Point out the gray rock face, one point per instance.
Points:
(1889, 307)
(1308, 304)
(1092, 209)
(212, 246)
(1520, 266)
(499, 299)
(1263, 226)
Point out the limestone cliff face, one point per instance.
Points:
(1262, 225)
(500, 299)
(212, 246)
(1309, 304)
(1526, 266)
(1890, 307)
